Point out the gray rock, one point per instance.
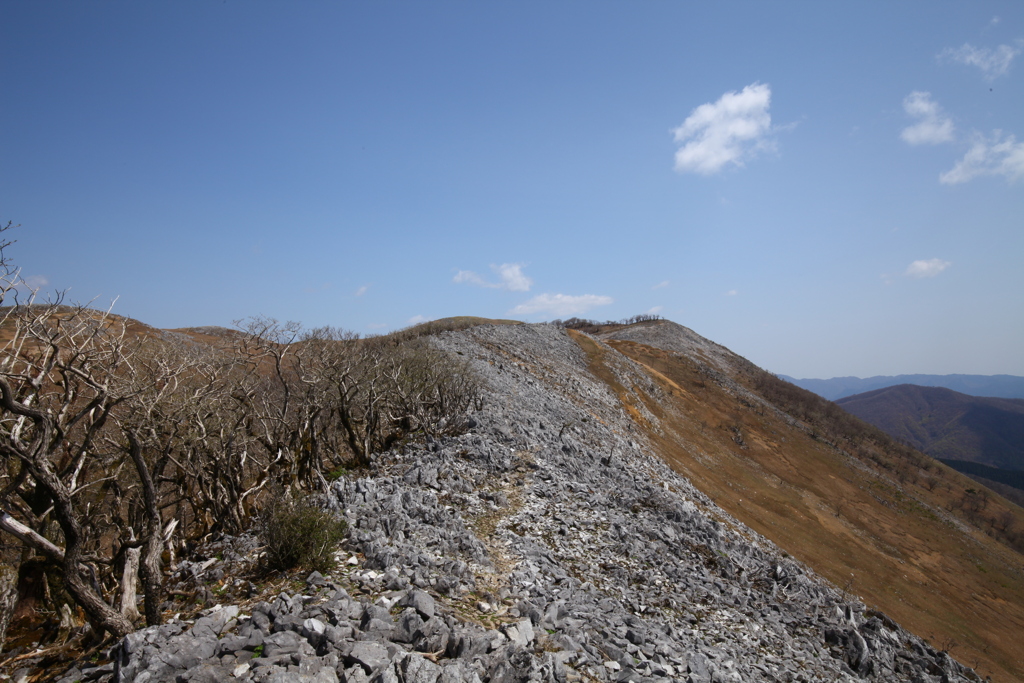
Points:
(698, 668)
(618, 564)
(409, 626)
(420, 601)
(418, 669)
(314, 631)
(519, 633)
(254, 640)
(369, 655)
(287, 622)
(231, 644)
(378, 614)
(285, 643)
(208, 673)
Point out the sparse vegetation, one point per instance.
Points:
(117, 439)
(453, 324)
(593, 326)
(828, 422)
(299, 534)
(834, 502)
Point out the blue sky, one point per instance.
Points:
(825, 188)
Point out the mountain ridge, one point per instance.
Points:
(999, 386)
(946, 424)
(637, 504)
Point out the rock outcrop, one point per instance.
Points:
(546, 544)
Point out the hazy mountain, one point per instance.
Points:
(1001, 386)
(947, 424)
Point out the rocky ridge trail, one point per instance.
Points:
(545, 544)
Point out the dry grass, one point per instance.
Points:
(848, 518)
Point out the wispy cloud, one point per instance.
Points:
(995, 156)
(36, 282)
(933, 126)
(655, 310)
(728, 131)
(661, 285)
(927, 268)
(732, 292)
(992, 62)
(472, 278)
(362, 290)
(561, 305)
(510, 275)
(416, 320)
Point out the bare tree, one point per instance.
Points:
(76, 389)
(58, 385)
(284, 392)
(1004, 521)
(112, 434)
(149, 423)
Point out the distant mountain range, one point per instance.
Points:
(1001, 386)
(979, 436)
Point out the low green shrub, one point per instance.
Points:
(298, 534)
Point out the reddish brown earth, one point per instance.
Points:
(877, 519)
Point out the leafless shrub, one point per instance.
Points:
(594, 326)
(114, 435)
(72, 383)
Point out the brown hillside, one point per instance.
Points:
(912, 537)
(947, 424)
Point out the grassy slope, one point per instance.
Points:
(847, 517)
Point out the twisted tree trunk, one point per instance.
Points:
(8, 598)
(152, 579)
(36, 459)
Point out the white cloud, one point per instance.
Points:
(728, 131)
(510, 274)
(927, 268)
(561, 305)
(35, 282)
(993, 63)
(512, 277)
(655, 310)
(999, 156)
(732, 292)
(362, 290)
(416, 320)
(472, 278)
(933, 126)
(660, 285)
